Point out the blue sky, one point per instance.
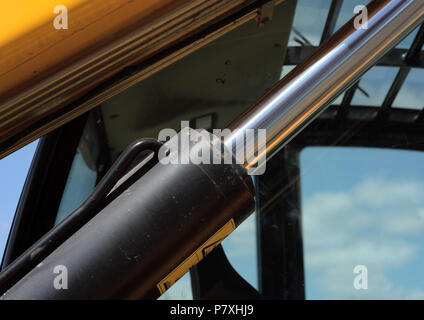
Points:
(13, 171)
(363, 206)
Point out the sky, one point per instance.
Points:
(363, 206)
(13, 171)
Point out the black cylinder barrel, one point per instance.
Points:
(148, 237)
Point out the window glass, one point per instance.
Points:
(13, 171)
(82, 177)
(81, 181)
(374, 86)
(285, 70)
(362, 223)
(407, 41)
(181, 290)
(338, 100)
(309, 22)
(411, 95)
(240, 248)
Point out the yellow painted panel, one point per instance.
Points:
(31, 49)
(18, 17)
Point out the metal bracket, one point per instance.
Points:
(266, 12)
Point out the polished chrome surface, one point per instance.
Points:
(309, 88)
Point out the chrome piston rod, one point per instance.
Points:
(309, 88)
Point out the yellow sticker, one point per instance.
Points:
(196, 257)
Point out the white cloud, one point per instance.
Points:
(406, 222)
(371, 225)
(378, 193)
